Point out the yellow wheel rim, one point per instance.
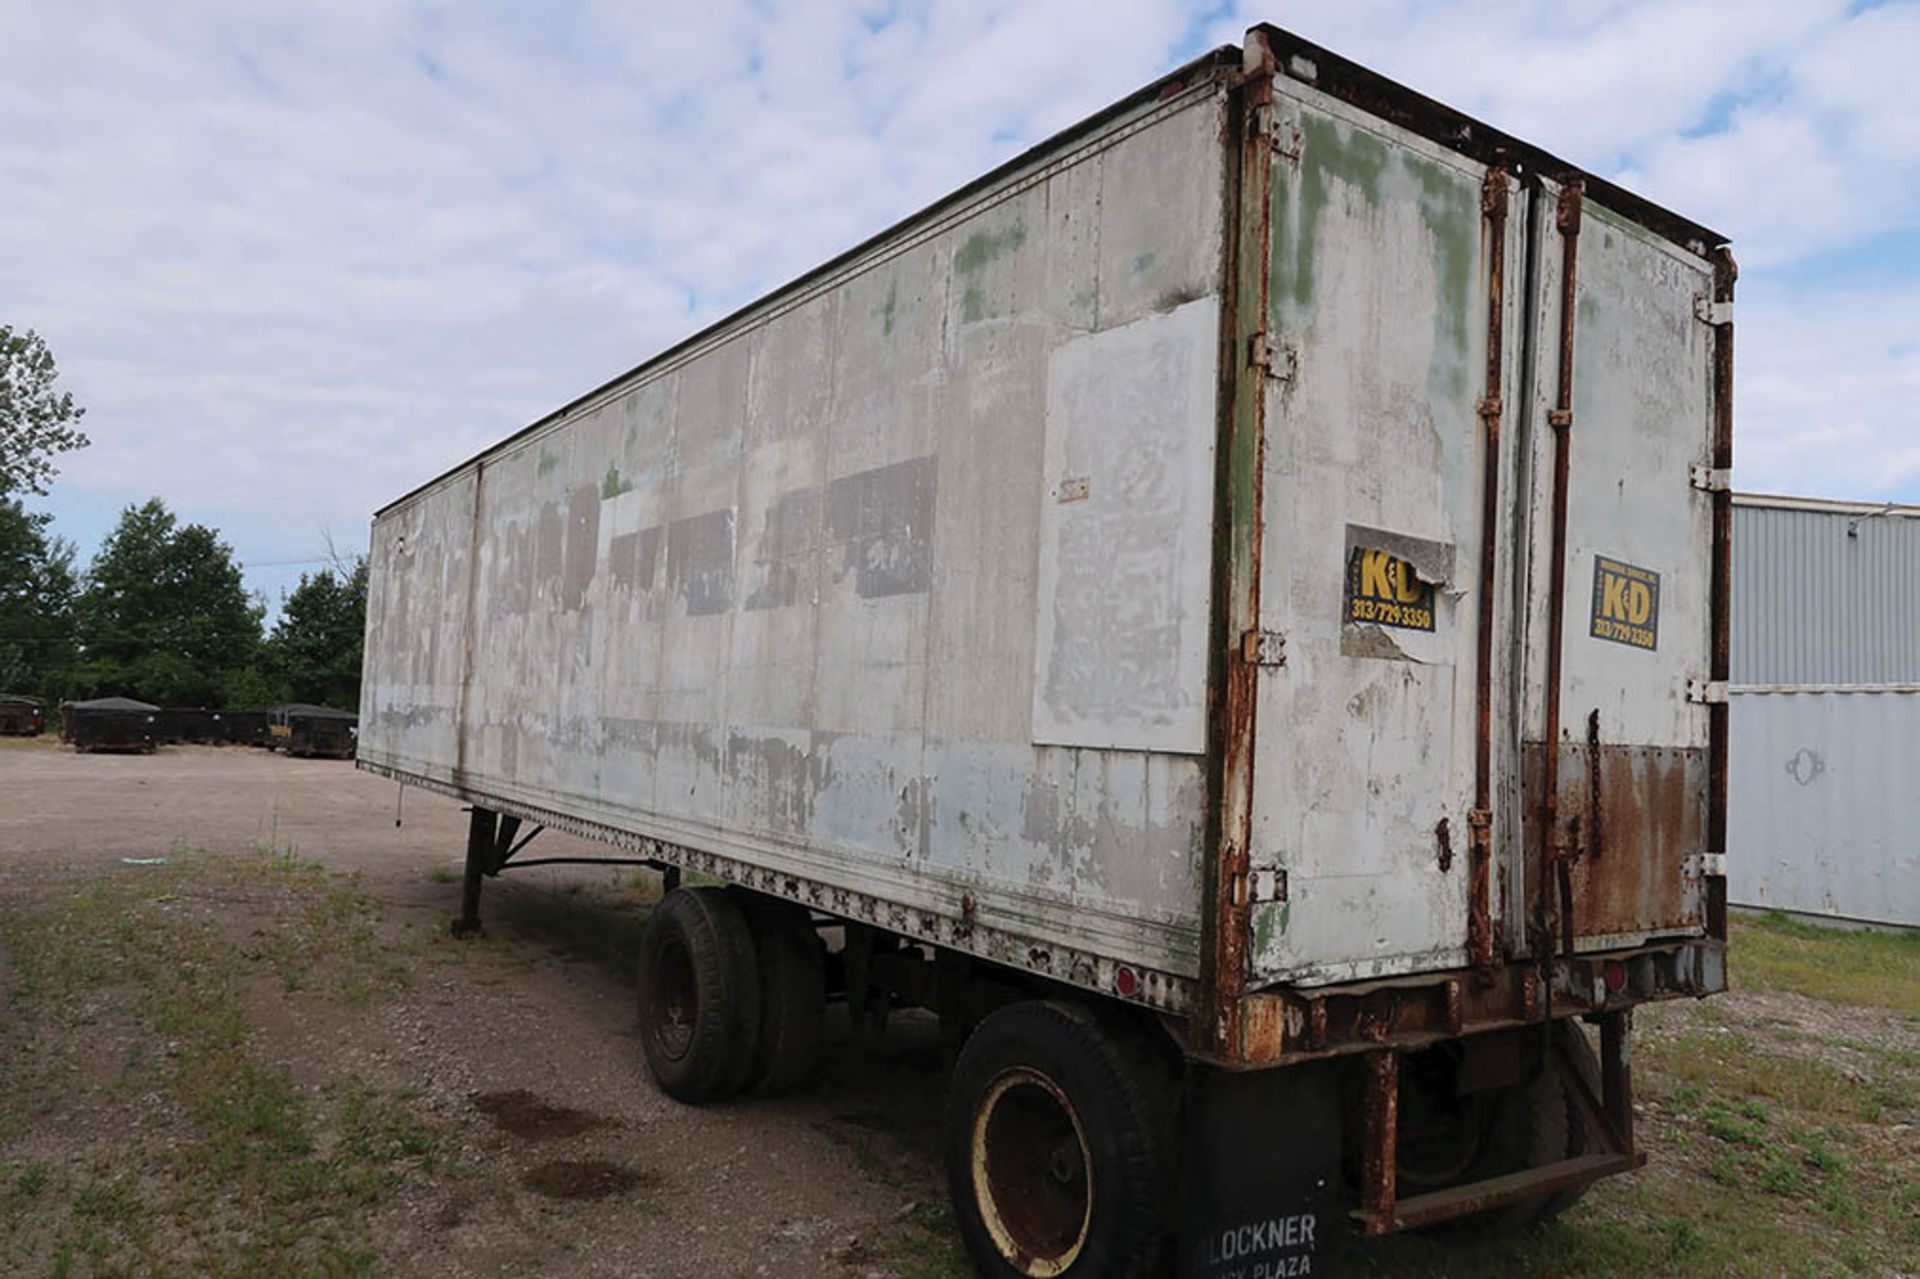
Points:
(1032, 1173)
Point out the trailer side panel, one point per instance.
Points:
(898, 585)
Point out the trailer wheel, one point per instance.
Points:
(1533, 1124)
(1057, 1147)
(1571, 1138)
(793, 987)
(699, 995)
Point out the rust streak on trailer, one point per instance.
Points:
(1596, 835)
(1494, 200)
(1552, 837)
(1380, 1122)
(1247, 314)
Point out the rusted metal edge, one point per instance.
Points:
(1370, 91)
(1608, 1119)
(1287, 1025)
(1216, 65)
(1233, 687)
(955, 929)
(1495, 199)
(1725, 273)
(1380, 1138)
(1567, 222)
(1531, 1183)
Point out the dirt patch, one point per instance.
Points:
(586, 1179)
(520, 1113)
(247, 1060)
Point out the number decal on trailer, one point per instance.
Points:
(1626, 604)
(1384, 590)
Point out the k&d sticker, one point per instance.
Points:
(1626, 604)
(1383, 589)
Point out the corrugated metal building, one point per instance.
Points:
(1824, 793)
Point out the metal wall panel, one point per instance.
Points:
(1630, 803)
(1365, 738)
(775, 598)
(1824, 814)
(1825, 593)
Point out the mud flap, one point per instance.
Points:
(1261, 1172)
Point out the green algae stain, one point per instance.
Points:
(613, 485)
(1269, 926)
(1349, 172)
(1450, 207)
(1143, 263)
(973, 304)
(982, 247)
(890, 308)
(547, 462)
(975, 254)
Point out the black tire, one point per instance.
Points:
(1534, 1124)
(699, 995)
(1057, 1147)
(1574, 1139)
(793, 990)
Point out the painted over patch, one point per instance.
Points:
(1120, 656)
(882, 521)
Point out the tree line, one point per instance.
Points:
(161, 613)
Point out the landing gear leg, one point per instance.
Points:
(482, 831)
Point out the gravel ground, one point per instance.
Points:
(561, 1157)
(507, 1124)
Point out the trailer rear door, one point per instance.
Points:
(1372, 551)
(1618, 851)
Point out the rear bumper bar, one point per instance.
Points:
(1287, 1025)
(1605, 1115)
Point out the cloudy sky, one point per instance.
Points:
(297, 259)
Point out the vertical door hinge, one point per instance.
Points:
(1263, 648)
(1710, 479)
(1707, 311)
(1280, 361)
(1704, 864)
(1706, 692)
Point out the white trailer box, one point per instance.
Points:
(1257, 559)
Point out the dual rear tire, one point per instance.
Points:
(1058, 1126)
(732, 995)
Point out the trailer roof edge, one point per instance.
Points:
(1216, 62)
(1297, 58)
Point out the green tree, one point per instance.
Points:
(316, 644)
(35, 422)
(37, 588)
(164, 615)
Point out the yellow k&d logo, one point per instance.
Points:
(1384, 590)
(1626, 604)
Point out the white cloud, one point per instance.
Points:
(1829, 381)
(1832, 155)
(297, 261)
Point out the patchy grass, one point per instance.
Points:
(924, 1243)
(1840, 965)
(1765, 1158)
(1729, 1065)
(230, 1167)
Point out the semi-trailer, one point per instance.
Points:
(1229, 609)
